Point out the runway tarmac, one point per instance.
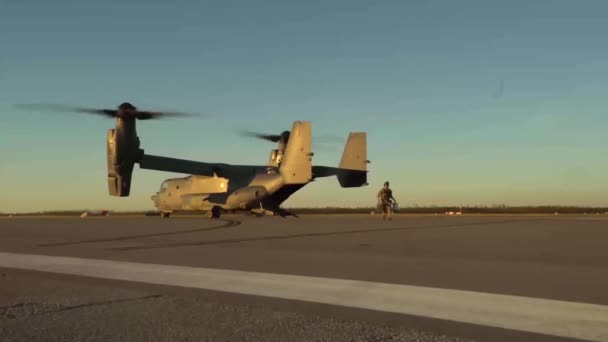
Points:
(332, 278)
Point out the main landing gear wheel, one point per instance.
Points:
(164, 214)
(215, 212)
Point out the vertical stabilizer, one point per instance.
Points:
(353, 165)
(354, 156)
(296, 166)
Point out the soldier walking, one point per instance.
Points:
(385, 199)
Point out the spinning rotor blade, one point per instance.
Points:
(269, 137)
(61, 108)
(145, 115)
(124, 110)
(319, 141)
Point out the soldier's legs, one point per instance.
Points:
(385, 209)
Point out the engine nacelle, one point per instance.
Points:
(123, 151)
(246, 197)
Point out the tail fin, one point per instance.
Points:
(296, 166)
(354, 156)
(353, 165)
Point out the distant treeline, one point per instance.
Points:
(500, 209)
(463, 210)
(78, 213)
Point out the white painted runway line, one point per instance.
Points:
(551, 317)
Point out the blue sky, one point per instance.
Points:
(464, 102)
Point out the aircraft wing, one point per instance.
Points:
(167, 164)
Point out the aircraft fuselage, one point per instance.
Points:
(204, 193)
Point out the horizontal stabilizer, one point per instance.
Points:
(347, 178)
(352, 178)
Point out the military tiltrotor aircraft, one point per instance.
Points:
(217, 187)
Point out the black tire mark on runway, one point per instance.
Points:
(15, 306)
(227, 224)
(304, 235)
(9, 310)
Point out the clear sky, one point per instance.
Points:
(465, 102)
